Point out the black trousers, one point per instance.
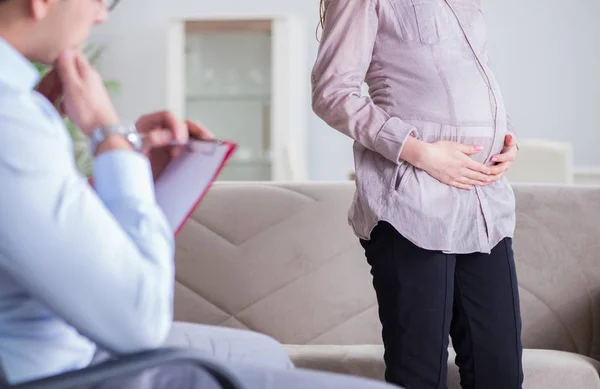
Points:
(425, 296)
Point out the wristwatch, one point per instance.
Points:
(130, 134)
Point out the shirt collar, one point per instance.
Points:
(15, 69)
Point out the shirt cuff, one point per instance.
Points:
(123, 174)
(391, 138)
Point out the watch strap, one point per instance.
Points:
(130, 134)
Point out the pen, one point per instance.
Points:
(179, 143)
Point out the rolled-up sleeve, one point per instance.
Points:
(102, 261)
(339, 72)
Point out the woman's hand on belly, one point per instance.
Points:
(505, 159)
(448, 162)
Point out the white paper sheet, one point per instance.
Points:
(187, 178)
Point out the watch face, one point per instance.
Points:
(135, 139)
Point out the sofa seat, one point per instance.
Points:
(544, 369)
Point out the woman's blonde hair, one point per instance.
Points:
(322, 14)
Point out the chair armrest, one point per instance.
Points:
(136, 363)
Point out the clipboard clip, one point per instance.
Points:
(198, 145)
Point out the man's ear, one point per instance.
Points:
(39, 9)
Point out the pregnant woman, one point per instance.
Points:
(433, 209)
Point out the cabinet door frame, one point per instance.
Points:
(289, 83)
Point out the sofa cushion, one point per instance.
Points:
(543, 369)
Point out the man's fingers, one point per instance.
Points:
(156, 138)
(51, 88)
(50, 85)
(148, 121)
(159, 159)
(197, 131)
(164, 120)
(47, 82)
(55, 94)
(161, 138)
(179, 129)
(68, 69)
(160, 129)
(84, 67)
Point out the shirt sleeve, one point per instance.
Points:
(103, 261)
(343, 59)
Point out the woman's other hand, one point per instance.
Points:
(505, 159)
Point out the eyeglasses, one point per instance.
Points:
(111, 4)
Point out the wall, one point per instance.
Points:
(546, 55)
(546, 58)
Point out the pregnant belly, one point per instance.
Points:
(490, 140)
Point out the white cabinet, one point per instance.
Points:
(245, 81)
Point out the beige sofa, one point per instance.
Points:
(280, 259)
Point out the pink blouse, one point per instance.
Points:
(427, 68)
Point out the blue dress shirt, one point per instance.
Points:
(78, 268)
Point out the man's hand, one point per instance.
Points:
(78, 92)
(51, 88)
(505, 159)
(451, 164)
(159, 130)
(85, 99)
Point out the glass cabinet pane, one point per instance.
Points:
(228, 89)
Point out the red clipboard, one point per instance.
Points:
(185, 181)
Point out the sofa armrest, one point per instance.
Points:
(136, 363)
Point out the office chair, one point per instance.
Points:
(131, 364)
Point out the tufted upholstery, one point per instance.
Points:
(280, 259)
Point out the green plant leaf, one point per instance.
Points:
(42, 69)
(93, 53)
(113, 86)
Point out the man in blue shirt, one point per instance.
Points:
(86, 268)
